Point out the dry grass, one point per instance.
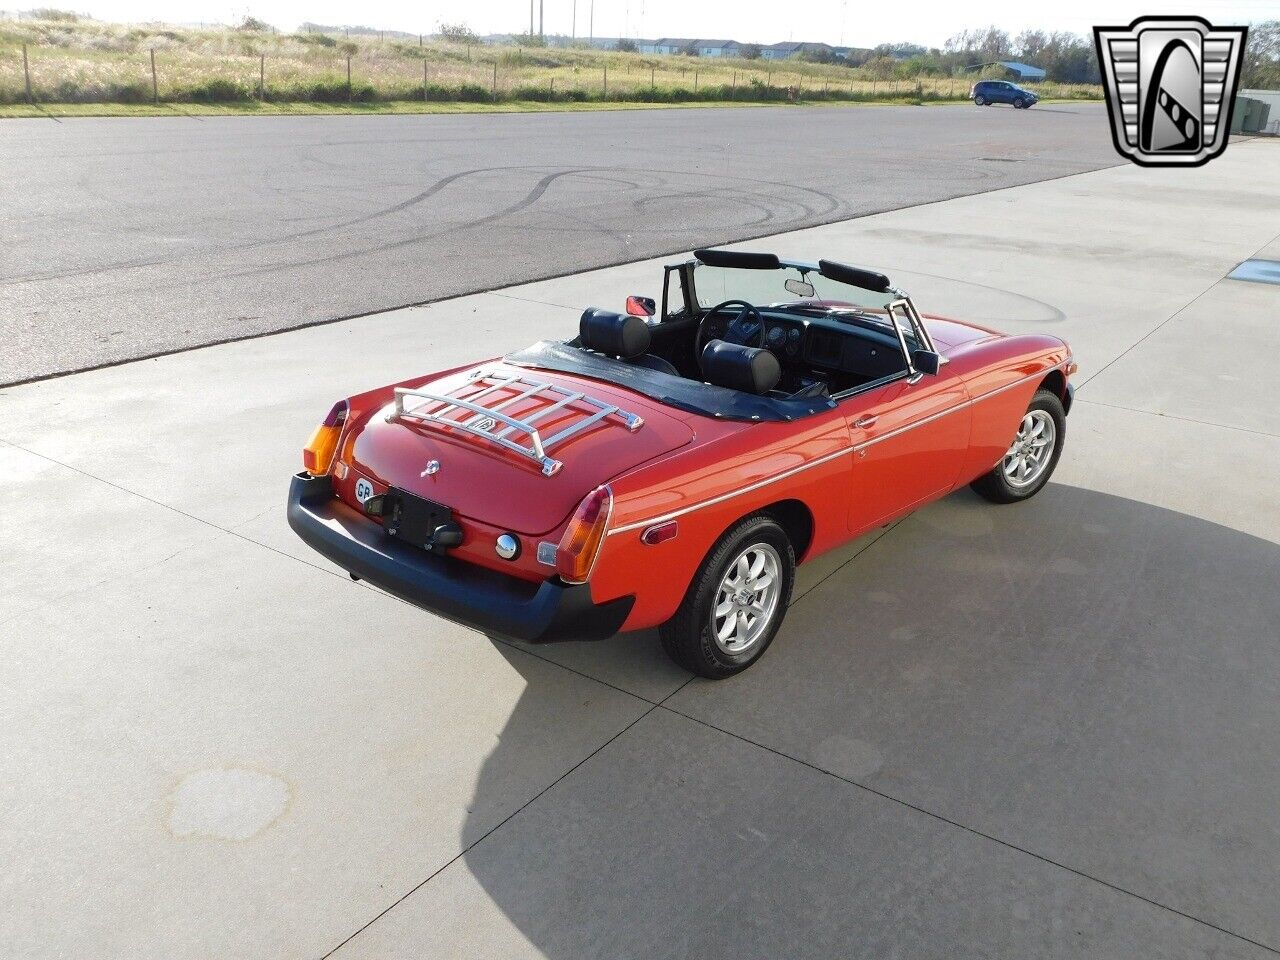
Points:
(88, 62)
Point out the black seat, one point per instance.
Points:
(749, 369)
(623, 336)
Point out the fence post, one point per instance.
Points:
(553, 88)
(26, 74)
(695, 81)
(419, 41)
(155, 87)
(734, 88)
(652, 85)
(348, 78)
(495, 81)
(605, 94)
(262, 77)
(424, 79)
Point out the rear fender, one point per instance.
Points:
(659, 575)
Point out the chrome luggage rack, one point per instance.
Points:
(485, 418)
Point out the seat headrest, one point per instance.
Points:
(749, 369)
(616, 334)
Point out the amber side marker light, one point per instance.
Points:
(576, 554)
(317, 455)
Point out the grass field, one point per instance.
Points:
(307, 108)
(84, 62)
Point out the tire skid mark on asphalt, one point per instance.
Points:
(253, 244)
(532, 197)
(831, 205)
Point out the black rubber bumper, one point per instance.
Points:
(471, 595)
(1069, 399)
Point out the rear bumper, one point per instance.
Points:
(473, 596)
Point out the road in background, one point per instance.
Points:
(131, 237)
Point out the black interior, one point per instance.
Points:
(830, 352)
(749, 369)
(819, 351)
(622, 336)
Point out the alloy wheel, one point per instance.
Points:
(747, 599)
(1032, 450)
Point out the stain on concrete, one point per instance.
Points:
(975, 522)
(226, 803)
(848, 757)
(1068, 566)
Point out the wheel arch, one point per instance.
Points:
(796, 520)
(1056, 382)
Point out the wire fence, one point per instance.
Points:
(103, 64)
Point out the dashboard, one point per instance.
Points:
(824, 345)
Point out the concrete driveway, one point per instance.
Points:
(1051, 729)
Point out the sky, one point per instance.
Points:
(858, 24)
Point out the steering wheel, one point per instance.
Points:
(748, 312)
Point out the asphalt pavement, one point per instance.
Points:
(127, 238)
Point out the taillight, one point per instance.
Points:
(576, 554)
(317, 455)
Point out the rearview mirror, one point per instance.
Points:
(801, 288)
(926, 361)
(642, 306)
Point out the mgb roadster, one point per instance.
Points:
(669, 467)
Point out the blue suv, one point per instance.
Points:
(986, 92)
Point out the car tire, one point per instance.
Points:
(1019, 103)
(980, 100)
(691, 637)
(1010, 481)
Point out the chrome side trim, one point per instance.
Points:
(721, 498)
(826, 458)
(942, 413)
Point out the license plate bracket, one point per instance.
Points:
(414, 519)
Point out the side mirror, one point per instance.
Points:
(926, 361)
(642, 306)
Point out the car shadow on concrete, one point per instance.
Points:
(982, 697)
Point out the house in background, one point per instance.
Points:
(1014, 70)
(794, 48)
(671, 45)
(703, 48)
(716, 48)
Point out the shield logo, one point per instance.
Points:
(1171, 85)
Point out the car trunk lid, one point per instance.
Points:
(512, 447)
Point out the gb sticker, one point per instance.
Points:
(364, 489)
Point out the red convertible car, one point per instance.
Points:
(670, 467)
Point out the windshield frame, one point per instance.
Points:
(688, 305)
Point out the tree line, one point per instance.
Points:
(1065, 57)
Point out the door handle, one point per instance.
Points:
(862, 423)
